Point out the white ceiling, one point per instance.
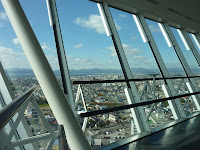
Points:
(184, 14)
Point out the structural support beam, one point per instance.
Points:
(196, 39)
(54, 20)
(45, 76)
(176, 106)
(191, 45)
(139, 114)
(78, 94)
(192, 83)
(7, 95)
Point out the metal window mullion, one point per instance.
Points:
(144, 88)
(9, 93)
(194, 97)
(198, 38)
(67, 88)
(133, 111)
(132, 90)
(149, 91)
(84, 104)
(16, 123)
(177, 108)
(193, 84)
(42, 117)
(179, 86)
(186, 101)
(150, 111)
(192, 46)
(51, 143)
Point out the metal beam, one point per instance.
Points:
(45, 76)
(108, 110)
(192, 83)
(7, 95)
(191, 46)
(139, 114)
(31, 140)
(176, 106)
(16, 123)
(196, 39)
(67, 88)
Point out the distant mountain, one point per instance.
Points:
(19, 72)
(25, 72)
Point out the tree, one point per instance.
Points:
(107, 122)
(101, 124)
(182, 100)
(91, 123)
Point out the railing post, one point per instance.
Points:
(45, 76)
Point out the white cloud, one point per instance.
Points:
(13, 59)
(52, 59)
(129, 50)
(154, 28)
(16, 41)
(74, 62)
(46, 47)
(8, 51)
(139, 58)
(93, 22)
(3, 16)
(83, 63)
(78, 46)
(133, 38)
(122, 15)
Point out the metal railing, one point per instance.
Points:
(11, 109)
(97, 112)
(128, 80)
(19, 105)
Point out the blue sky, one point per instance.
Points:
(86, 43)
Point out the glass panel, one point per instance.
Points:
(158, 113)
(188, 54)
(167, 53)
(195, 44)
(89, 51)
(138, 53)
(108, 128)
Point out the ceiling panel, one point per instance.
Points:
(184, 14)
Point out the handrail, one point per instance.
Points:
(127, 80)
(97, 112)
(12, 108)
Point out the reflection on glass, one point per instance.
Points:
(89, 51)
(187, 54)
(195, 41)
(168, 54)
(138, 53)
